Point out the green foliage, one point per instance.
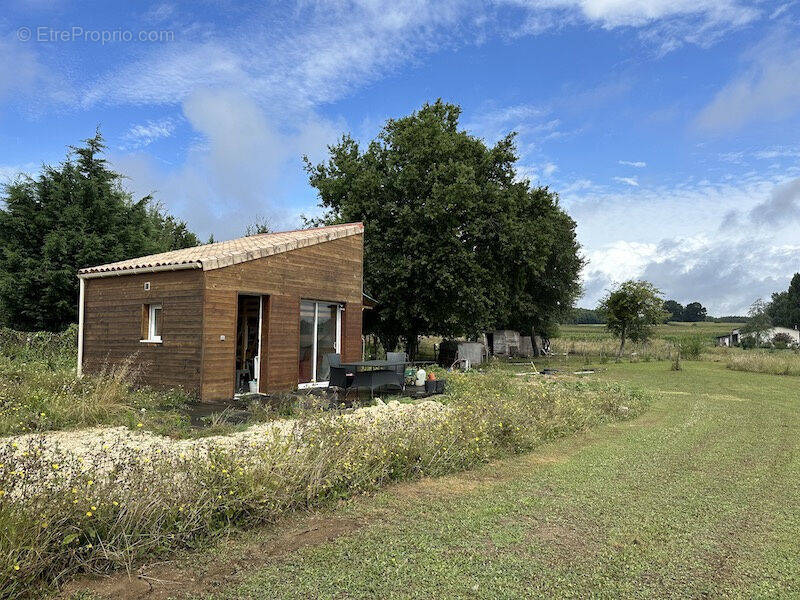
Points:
(784, 308)
(454, 243)
(583, 316)
(758, 324)
(632, 310)
(694, 312)
(691, 348)
(259, 226)
(675, 310)
(70, 217)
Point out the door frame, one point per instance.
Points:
(258, 358)
(337, 344)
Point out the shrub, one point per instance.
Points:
(691, 348)
(782, 341)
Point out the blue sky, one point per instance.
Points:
(670, 128)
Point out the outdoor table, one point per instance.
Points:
(376, 373)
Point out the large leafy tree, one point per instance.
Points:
(784, 308)
(632, 310)
(674, 310)
(454, 242)
(759, 322)
(694, 312)
(69, 217)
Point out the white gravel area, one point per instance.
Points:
(101, 450)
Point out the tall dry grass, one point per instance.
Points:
(108, 511)
(782, 362)
(656, 349)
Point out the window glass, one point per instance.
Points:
(326, 337)
(319, 336)
(156, 322)
(307, 309)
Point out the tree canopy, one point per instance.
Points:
(632, 310)
(784, 308)
(454, 242)
(758, 323)
(694, 312)
(69, 217)
(674, 310)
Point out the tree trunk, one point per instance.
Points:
(536, 350)
(412, 345)
(621, 342)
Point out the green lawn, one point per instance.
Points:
(698, 497)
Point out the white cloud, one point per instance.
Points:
(638, 164)
(526, 119)
(632, 181)
(666, 23)
(694, 240)
(777, 152)
(768, 89)
(144, 134)
(724, 275)
(549, 168)
(782, 207)
(241, 169)
(318, 52)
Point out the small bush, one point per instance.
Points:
(691, 348)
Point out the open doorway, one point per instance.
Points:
(248, 344)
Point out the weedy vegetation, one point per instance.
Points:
(64, 512)
(776, 362)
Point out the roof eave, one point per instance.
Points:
(140, 270)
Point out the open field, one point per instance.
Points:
(697, 498)
(595, 341)
(669, 331)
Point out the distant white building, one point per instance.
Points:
(735, 337)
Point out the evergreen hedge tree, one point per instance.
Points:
(69, 217)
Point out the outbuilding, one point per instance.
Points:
(258, 313)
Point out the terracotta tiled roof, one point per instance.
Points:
(223, 254)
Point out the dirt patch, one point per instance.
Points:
(169, 579)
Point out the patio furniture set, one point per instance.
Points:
(372, 374)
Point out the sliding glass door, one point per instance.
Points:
(320, 335)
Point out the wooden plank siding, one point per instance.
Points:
(327, 271)
(199, 310)
(351, 332)
(113, 325)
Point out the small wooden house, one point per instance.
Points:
(255, 313)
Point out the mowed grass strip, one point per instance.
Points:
(697, 498)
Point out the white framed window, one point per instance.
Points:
(320, 335)
(152, 329)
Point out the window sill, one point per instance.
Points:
(150, 342)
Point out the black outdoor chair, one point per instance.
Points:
(334, 359)
(339, 378)
(398, 357)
